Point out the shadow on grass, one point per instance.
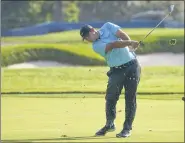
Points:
(58, 139)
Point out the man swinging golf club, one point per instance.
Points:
(114, 44)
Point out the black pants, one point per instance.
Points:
(128, 78)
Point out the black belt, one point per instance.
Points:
(125, 65)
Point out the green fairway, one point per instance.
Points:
(87, 79)
(44, 119)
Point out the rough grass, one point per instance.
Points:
(87, 79)
(77, 119)
(80, 54)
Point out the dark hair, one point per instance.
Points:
(84, 31)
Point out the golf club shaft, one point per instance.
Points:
(154, 28)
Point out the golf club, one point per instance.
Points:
(171, 8)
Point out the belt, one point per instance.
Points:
(125, 65)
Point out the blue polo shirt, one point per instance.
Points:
(116, 56)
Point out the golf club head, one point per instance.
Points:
(171, 8)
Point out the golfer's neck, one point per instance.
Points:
(98, 35)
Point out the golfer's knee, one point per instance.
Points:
(130, 97)
(111, 106)
(112, 97)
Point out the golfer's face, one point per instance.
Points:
(91, 37)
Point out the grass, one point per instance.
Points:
(33, 119)
(87, 79)
(95, 95)
(73, 36)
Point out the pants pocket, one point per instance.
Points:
(109, 73)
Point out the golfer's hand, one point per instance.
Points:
(134, 45)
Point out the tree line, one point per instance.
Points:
(15, 14)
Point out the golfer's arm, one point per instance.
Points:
(122, 35)
(117, 44)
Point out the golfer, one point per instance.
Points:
(114, 45)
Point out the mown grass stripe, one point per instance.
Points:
(89, 92)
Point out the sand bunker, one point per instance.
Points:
(159, 59)
(39, 64)
(162, 59)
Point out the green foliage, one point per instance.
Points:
(17, 14)
(14, 16)
(25, 13)
(72, 12)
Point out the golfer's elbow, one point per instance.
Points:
(117, 44)
(108, 48)
(122, 35)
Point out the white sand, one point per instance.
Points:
(162, 59)
(38, 64)
(159, 59)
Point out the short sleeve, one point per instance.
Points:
(100, 48)
(112, 27)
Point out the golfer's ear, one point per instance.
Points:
(121, 34)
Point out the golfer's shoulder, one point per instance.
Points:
(106, 25)
(99, 47)
(105, 29)
(97, 44)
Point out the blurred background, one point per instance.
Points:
(55, 16)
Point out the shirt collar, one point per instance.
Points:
(100, 32)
